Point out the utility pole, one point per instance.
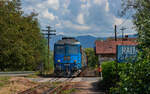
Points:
(115, 32)
(49, 32)
(122, 29)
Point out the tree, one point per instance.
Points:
(22, 47)
(135, 77)
(92, 58)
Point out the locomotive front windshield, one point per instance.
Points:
(67, 50)
(59, 49)
(72, 50)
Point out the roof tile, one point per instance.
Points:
(109, 47)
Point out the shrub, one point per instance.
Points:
(110, 72)
(109, 75)
(134, 79)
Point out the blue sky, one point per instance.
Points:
(80, 17)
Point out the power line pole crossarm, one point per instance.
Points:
(122, 29)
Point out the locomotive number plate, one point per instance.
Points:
(67, 58)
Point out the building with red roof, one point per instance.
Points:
(106, 50)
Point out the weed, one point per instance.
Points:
(69, 91)
(4, 80)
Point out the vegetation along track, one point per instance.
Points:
(59, 88)
(48, 88)
(34, 89)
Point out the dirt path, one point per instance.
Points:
(88, 72)
(87, 88)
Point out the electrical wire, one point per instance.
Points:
(125, 20)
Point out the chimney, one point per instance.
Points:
(126, 37)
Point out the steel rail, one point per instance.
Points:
(59, 88)
(31, 90)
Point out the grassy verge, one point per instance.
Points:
(35, 75)
(69, 91)
(4, 80)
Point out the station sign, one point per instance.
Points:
(126, 53)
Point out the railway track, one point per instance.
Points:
(48, 88)
(59, 88)
(34, 89)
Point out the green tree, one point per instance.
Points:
(92, 58)
(22, 47)
(135, 77)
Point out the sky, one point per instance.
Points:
(80, 17)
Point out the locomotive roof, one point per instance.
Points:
(68, 40)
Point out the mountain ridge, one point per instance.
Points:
(87, 41)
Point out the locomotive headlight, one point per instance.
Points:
(75, 61)
(58, 60)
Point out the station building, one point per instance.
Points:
(106, 49)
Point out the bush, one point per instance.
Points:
(109, 75)
(92, 58)
(134, 79)
(110, 72)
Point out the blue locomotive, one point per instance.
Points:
(68, 57)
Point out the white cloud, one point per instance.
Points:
(69, 24)
(127, 23)
(91, 16)
(83, 0)
(85, 8)
(99, 2)
(48, 15)
(65, 9)
(80, 18)
(45, 4)
(58, 25)
(60, 33)
(66, 3)
(117, 21)
(53, 4)
(40, 5)
(107, 6)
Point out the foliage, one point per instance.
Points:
(4, 80)
(135, 77)
(21, 44)
(49, 67)
(69, 91)
(141, 21)
(92, 58)
(109, 75)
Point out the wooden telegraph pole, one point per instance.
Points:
(49, 32)
(115, 32)
(122, 29)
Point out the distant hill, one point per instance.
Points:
(86, 41)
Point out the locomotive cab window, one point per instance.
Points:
(59, 49)
(73, 50)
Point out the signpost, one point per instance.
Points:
(126, 53)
